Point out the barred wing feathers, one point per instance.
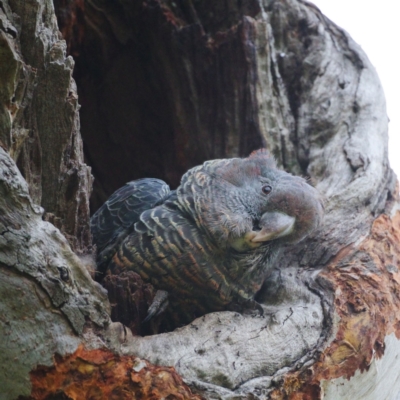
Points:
(115, 219)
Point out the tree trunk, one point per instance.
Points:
(163, 87)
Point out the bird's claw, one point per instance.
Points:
(247, 305)
(259, 308)
(158, 306)
(254, 305)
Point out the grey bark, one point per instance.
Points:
(47, 296)
(309, 94)
(39, 116)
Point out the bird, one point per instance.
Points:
(210, 244)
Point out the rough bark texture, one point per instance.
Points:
(47, 295)
(39, 121)
(98, 374)
(164, 86)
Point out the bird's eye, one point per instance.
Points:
(266, 189)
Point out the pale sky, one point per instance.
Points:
(375, 26)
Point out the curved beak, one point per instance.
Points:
(273, 226)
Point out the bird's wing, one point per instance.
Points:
(115, 219)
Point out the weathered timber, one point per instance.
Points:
(165, 85)
(235, 77)
(39, 116)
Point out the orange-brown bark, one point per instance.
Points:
(99, 374)
(367, 301)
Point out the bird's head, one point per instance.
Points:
(245, 203)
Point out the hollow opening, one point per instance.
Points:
(149, 107)
(158, 95)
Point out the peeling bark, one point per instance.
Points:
(100, 374)
(164, 86)
(367, 307)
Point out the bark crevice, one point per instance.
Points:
(163, 87)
